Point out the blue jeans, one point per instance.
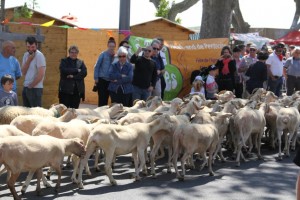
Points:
(139, 93)
(32, 97)
(275, 86)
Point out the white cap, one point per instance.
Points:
(198, 78)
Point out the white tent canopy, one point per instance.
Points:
(259, 41)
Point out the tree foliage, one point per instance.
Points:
(164, 10)
(23, 11)
(175, 8)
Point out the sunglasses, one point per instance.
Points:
(155, 49)
(147, 50)
(252, 49)
(122, 56)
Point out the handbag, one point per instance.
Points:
(95, 89)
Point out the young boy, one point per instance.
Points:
(211, 84)
(7, 96)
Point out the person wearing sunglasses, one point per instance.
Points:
(160, 67)
(120, 75)
(275, 70)
(144, 74)
(124, 43)
(246, 61)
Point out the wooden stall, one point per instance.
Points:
(161, 27)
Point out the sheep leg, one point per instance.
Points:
(142, 164)
(75, 161)
(27, 181)
(288, 141)
(152, 155)
(83, 162)
(109, 155)
(210, 156)
(239, 151)
(58, 171)
(170, 151)
(279, 144)
(258, 141)
(45, 183)
(11, 185)
(49, 172)
(68, 165)
(38, 183)
(294, 138)
(175, 158)
(162, 152)
(203, 155)
(97, 154)
(183, 160)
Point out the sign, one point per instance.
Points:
(181, 58)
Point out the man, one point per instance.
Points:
(247, 60)
(275, 70)
(144, 74)
(9, 65)
(162, 54)
(33, 68)
(160, 67)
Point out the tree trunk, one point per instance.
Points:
(239, 25)
(295, 25)
(2, 11)
(216, 18)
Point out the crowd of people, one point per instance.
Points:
(125, 77)
(117, 74)
(246, 67)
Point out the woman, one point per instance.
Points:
(101, 72)
(227, 67)
(71, 84)
(120, 75)
(257, 72)
(292, 66)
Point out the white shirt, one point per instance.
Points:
(37, 62)
(276, 66)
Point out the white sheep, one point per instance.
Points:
(120, 140)
(33, 153)
(8, 113)
(27, 123)
(191, 138)
(249, 121)
(287, 122)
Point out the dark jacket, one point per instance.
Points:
(226, 82)
(145, 73)
(257, 73)
(115, 73)
(76, 84)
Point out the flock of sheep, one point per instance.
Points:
(33, 138)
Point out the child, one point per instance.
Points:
(211, 84)
(198, 86)
(7, 96)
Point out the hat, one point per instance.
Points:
(212, 67)
(249, 44)
(262, 55)
(253, 46)
(279, 45)
(198, 78)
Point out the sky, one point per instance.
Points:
(105, 13)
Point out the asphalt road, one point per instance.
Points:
(254, 180)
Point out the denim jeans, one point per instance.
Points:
(139, 93)
(32, 97)
(275, 86)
